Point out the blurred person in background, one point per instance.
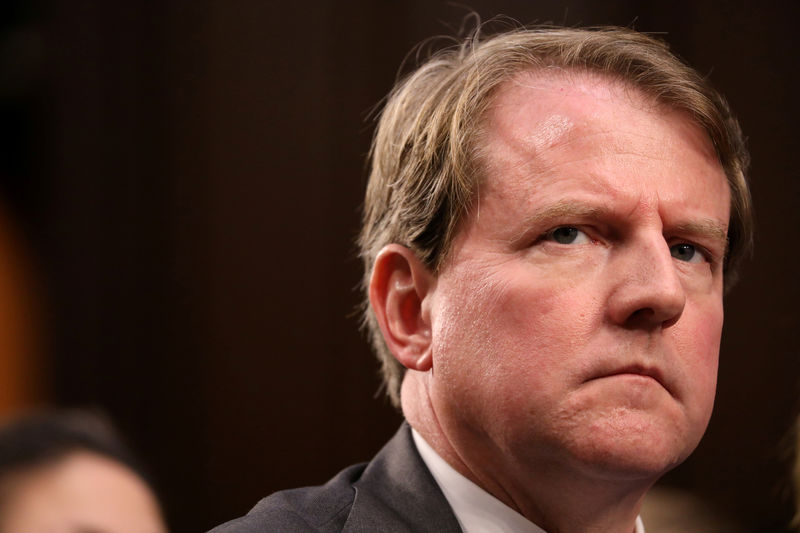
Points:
(67, 471)
(672, 510)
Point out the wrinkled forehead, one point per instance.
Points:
(547, 109)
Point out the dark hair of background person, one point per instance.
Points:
(42, 438)
(69, 468)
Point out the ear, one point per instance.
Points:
(398, 289)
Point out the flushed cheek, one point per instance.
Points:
(697, 340)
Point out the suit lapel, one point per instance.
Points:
(396, 493)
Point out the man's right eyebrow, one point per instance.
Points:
(566, 210)
(555, 212)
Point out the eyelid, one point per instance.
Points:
(709, 256)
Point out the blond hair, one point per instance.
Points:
(424, 168)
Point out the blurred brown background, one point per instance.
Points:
(181, 183)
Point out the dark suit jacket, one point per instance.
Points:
(395, 492)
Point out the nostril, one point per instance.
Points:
(643, 317)
(653, 317)
(648, 311)
(642, 314)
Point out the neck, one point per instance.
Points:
(558, 497)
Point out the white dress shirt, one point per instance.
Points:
(476, 510)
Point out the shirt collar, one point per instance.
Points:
(476, 510)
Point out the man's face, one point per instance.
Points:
(578, 319)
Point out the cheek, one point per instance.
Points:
(510, 330)
(700, 334)
(697, 339)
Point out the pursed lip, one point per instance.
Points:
(633, 369)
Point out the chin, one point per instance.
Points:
(633, 446)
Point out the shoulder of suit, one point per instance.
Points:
(321, 509)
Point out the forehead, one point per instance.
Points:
(540, 121)
(547, 108)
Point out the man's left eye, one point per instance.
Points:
(686, 252)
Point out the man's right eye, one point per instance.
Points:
(567, 235)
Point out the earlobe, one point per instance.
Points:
(398, 289)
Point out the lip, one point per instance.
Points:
(634, 370)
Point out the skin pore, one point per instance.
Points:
(566, 355)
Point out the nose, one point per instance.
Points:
(647, 291)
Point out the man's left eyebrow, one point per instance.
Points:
(706, 228)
